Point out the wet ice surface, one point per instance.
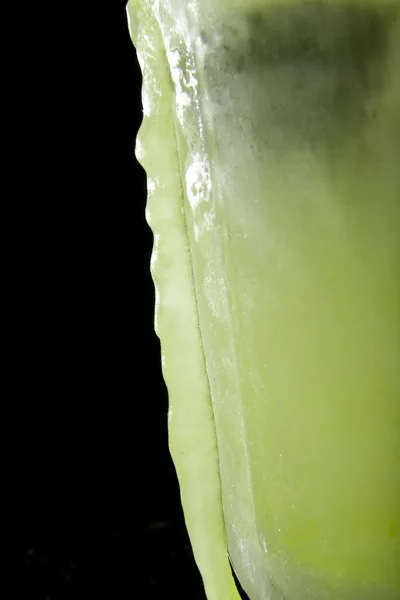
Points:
(284, 95)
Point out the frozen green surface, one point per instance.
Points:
(271, 141)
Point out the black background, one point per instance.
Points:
(89, 498)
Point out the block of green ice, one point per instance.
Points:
(271, 142)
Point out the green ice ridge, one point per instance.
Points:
(192, 436)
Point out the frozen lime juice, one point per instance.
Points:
(285, 139)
